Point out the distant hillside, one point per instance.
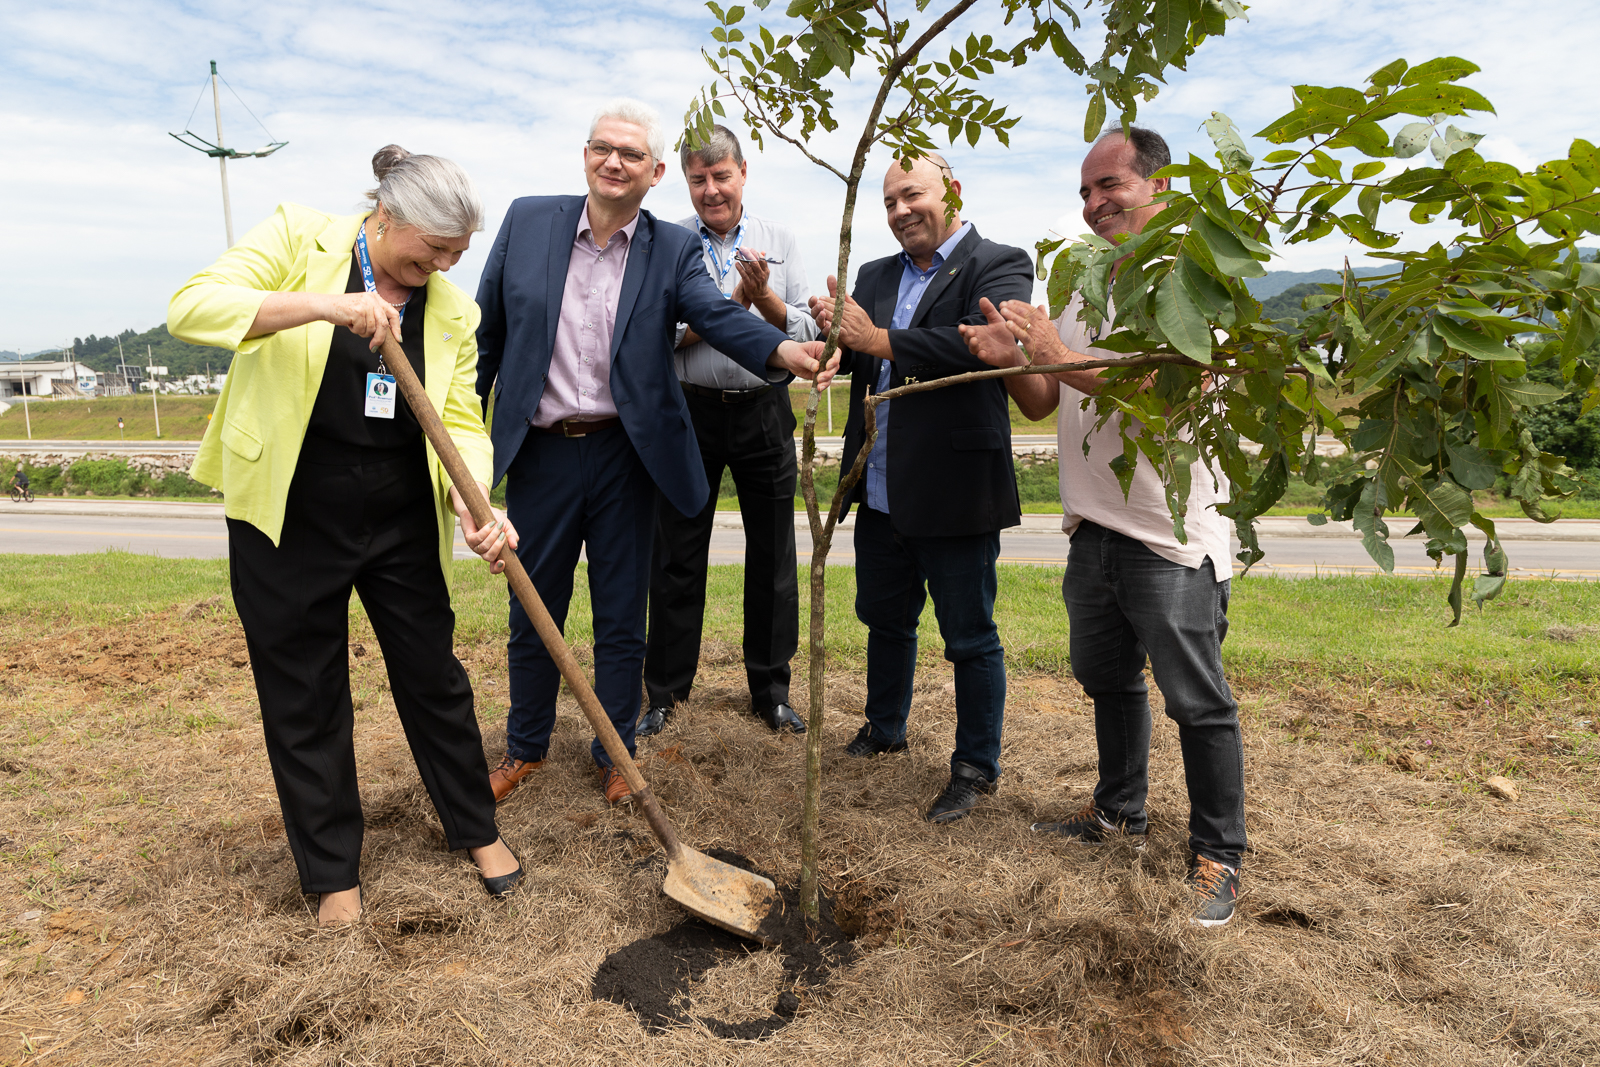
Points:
(153, 345)
(1277, 281)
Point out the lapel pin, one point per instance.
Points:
(447, 337)
(953, 270)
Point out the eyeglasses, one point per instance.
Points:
(631, 156)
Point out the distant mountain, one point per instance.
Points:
(1276, 281)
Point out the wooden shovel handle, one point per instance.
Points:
(522, 586)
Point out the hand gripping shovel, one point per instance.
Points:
(721, 894)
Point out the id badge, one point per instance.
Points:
(380, 396)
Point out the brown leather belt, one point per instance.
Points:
(580, 427)
(727, 396)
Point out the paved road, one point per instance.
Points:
(1566, 549)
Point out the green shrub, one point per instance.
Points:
(106, 477)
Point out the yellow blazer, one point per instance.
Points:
(253, 443)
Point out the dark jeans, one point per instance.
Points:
(1124, 603)
(566, 495)
(754, 440)
(958, 572)
(369, 525)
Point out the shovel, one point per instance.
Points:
(719, 893)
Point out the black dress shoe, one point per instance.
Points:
(960, 795)
(505, 883)
(653, 721)
(782, 719)
(866, 744)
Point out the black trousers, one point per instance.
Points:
(754, 440)
(368, 524)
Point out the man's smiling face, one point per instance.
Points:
(1116, 197)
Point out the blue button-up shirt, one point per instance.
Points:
(913, 283)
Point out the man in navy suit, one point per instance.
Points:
(581, 298)
(939, 485)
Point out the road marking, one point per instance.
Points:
(81, 533)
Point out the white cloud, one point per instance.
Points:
(108, 214)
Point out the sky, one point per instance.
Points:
(108, 215)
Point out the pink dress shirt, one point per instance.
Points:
(579, 382)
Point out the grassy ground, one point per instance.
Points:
(183, 418)
(1393, 912)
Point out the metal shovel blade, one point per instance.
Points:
(722, 894)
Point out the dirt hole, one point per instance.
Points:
(663, 977)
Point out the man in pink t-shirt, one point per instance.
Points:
(1133, 591)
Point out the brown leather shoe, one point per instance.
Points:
(506, 777)
(615, 787)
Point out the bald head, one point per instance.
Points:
(914, 202)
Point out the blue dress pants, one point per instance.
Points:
(895, 575)
(566, 495)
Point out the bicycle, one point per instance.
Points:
(21, 493)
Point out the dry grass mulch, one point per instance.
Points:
(1393, 913)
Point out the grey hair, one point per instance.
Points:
(1150, 151)
(429, 193)
(640, 114)
(723, 144)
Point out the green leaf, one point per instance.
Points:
(1095, 117)
(1453, 598)
(1470, 341)
(1169, 28)
(1369, 201)
(1530, 394)
(1181, 320)
(1362, 171)
(1226, 249)
(1389, 75)
(1443, 69)
(1442, 501)
(1470, 466)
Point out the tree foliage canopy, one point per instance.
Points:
(1439, 360)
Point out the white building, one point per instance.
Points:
(47, 378)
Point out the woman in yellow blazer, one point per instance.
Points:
(330, 486)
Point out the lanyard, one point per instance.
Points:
(722, 270)
(367, 280)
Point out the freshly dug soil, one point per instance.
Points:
(654, 976)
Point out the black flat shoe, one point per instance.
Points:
(782, 719)
(653, 721)
(505, 883)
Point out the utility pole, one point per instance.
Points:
(222, 162)
(150, 360)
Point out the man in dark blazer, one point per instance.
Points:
(939, 485)
(581, 298)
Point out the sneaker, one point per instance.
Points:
(865, 744)
(960, 795)
(1216, 889)
(1089, 827)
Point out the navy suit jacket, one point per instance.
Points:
(665, 283)
(949, 450)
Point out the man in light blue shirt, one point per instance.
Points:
(743, 424)
(939, 484)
